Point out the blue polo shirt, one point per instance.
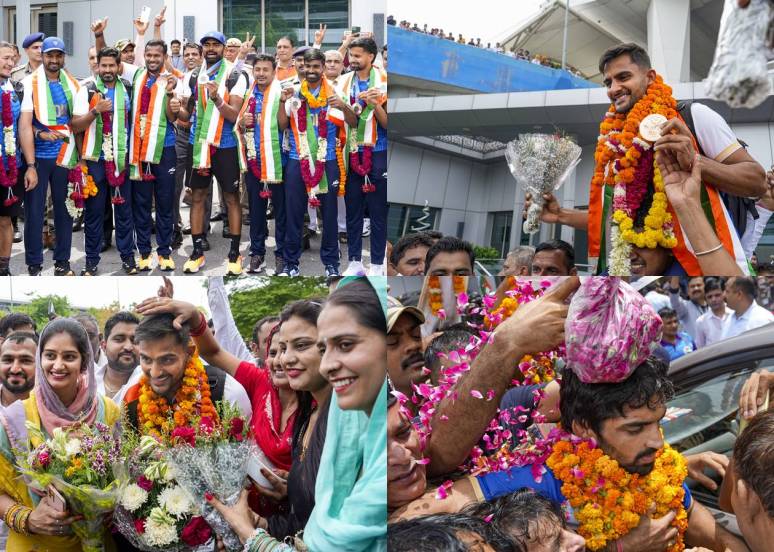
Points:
(331, 150)
(169, 137)
(227, 138)
(43, 148)
(682, 346)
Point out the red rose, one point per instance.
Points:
(186, 434)
(237, 428)
(206, 425)
(139, 526)
(144, 483)
(44, 458)
(196, 532)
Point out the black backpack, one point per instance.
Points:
(230, 82)
(216, 379)
(737, 207)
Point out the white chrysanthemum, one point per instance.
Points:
(73, 447)
(158, 532)
(176, 501)
(134, 496)
(170, 474)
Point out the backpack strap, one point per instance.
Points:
(18, 87)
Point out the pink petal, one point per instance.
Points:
(477, 394)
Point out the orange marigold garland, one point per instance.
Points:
(435, 296)
(608, 500)
(156, 417)
(459, 284)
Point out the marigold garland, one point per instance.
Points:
(459, 284)
(435, 296)
(321, 100)
(625, 161)
(608, 500)
(156, 417)
(89, 186)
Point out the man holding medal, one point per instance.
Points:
(46, 137)
(632, 227)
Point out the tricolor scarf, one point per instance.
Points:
(148, 129)
(310, 136)
(600, 210)
(92, 138)
(270, 153)
(209, 121)
(45, 111)
(366, 126)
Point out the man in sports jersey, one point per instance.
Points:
(219, 91)
(312, 177)
(724, 164)
(106, 157)
(366, 87)
(46, 136)
(152, 157)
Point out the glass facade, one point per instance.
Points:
(297, 18)
(405, 219)
(501, 232)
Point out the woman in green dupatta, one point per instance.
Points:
(350, 513)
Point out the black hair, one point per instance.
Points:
(305, 309)
(590, 404)
(158, 326)
(258, 325)
(121, 316)
(266, 57)
(439, 532)
(362, 301)
(109, 52)
(713, 283)
(366, 43)
(450, 340)
(559, 245)
(746, 285)
(449, 244)
(313, 54)
(289, 39)
(175, 41)
(75, 331)
(192, 45)
(432, 234)
(21, 337)
(409, 241)
(156, 43)
(636, 53)
(14, 320)
(519, 515)
(754, 456)
(667, 312)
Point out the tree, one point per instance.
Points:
(38, 308)
(269, 297)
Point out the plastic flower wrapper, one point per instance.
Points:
(212, 457)
(155, 513)
(610, 330)
(540, 163)
(739, 75)
(78, 463)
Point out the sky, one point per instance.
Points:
(103, 290)
(489, 20)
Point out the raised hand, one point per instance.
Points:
(140, 26)
(683, 188)
(103, 104)
(319, 34)
(99, 25)
(697, 463)
(159, 20)
(212, 90)
(167, 289)
(286, 93)
(551, 208)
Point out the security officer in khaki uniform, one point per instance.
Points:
(31, 45)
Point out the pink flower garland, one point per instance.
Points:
(145, 97)
(8, 176)
(110, 166)
(75, 180)
(312, 180)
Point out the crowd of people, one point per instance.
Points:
(516, 53)
(476, 397)
(300, 134)
(311, 381)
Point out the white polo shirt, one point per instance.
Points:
(754, 317)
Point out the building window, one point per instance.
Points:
(501, 232)
(407, 219)
(335, 14)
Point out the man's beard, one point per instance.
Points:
(28, 384)
(634, 467)
(121, 367)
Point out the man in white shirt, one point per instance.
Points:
(688, 311)
(91, 326)
(747, 315)
(120, 353)
(709, 326)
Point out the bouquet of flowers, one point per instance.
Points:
(78, 463)
(210, 456)
(154, 512)
(540, 163)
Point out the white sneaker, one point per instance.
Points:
(377, 270)
(366, 227)
(355, 268)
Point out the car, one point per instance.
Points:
(703, 415)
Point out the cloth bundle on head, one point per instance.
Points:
(53, 413)
(610, 330)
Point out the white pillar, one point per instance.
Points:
(22, 23)
(669, 38)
